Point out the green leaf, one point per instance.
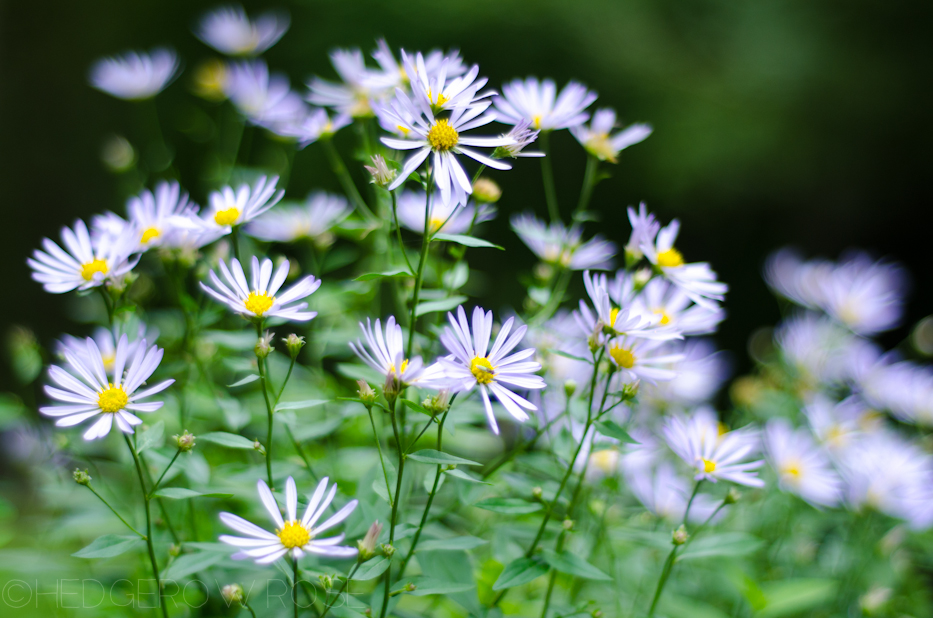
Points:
(460, 474)
(109, 545)
(519, 572)
(445, 304)
(466, 241)
(250, 378)
(187, 564)
(572, 356)
(430, 585)
(430, 456)
(725, 544)
(568, 563)
(182, 493)
(150, 437)
(509, 506)
(613, 430)
(794, 596)
(300, 405)
(415, 406)
(230, 440)
(379, 487)
(451, 544)
(372, 569)
(398, 272)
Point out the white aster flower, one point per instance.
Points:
(265, 100)
(230, 31)
(697, 280)
(538, 103)
(699, 443)
(230, 208)
(86, 264)
(106, 340)
(469, 364)
(665, 493)
(313, 219)
(444, 217)
(597, 141)
(802, 466)
(90, 392)
(637, 358)
(839, 425)
(392, 74)
(386, 355)
(314, 126)
(292, 536)
(904, 388)
(562, 246)
(135, 76)
(866, 296)
(607, 319)
(699, 376)
(433, 92)
(352, 96)
(259, 301)
(153, 217)
(521, 137)
(816, 347)
(644, 229)
(660, 297)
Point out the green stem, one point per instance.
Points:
(107, 303)
(669, 563)
(263, 378)
(234, 239)
(250, 609)
(155, 485)
(398, 231)
(120, 517)
(398, 482)
(589, 181)
(287, 376)
(557, 296)
(346, 582)
(340, 170)
(547, 175)
(418, 437)
(295, 585)
(382, 462)
(519, 449)
(419, 278)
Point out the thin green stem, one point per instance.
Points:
(547, 175)
(295, 585)
(589, 181)
(250, 609)
(288, 374)
(385, 473)
(419, 278)
(263, 379)
(108, 303)
(234, 239)
(398, 231)
(346, 582)
(554, 301)
(669, 563)
(120, 517)
(550, 589)
(519, 449)
(155, 486)
(343, 176)
(398, 482)
(418, 437)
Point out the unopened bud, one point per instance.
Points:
(232, 594)
(536, 493)
(174, 550)
(387, 550)
(382, 174)
(410, 587)
(593, 341)
(184, 442)
(327, 581)
(630, 391)
(264, 345)
(81, 477)
(733, 496)
(259, 447)
(294, 343)
(366, 393)
(680, 536)
(568, 524)
(597, 613)
(390, 389)
(367, 545)
(437, 404)
(570, 387)
(642, 277)
(485, 190)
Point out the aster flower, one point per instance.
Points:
(265, 100)
(803, 468)
(381, 174)
(698, 442)
(433, 92)
(230, 208)
(816, 347)
(352, 96)
(135, 76)
(153, 217)
(538, 103)
(386, 355)
(106, 341)
(644, 229)
(521, 137)
(444, 138)
(660, 297)
(392, 74)
(259, 301)
(86, 264)
(839, 425)
(231, 32)
(609, 320)
(597, 141)
(562, 246)
(89, 392)
(665, 493)
(904, 388)
(636, 358)
(700, 374)
(470, 366)
(444, 217)
(314, 126)
(864, 295)
(313, 219)
(292, 536)
(697, 280)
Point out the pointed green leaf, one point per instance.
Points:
(613, 430)
(397, 272)
(250, 378)
(151, 437)
(571, 356)
(460, 474)
(182, 493)
(109, 545)
(725, 544)
(416, 407)
(571, 564)
(445, 304)
(188, 564)
(230, 440)
(509, 506)
(430, 456)
(519, 572)
(466, 241)
(372, 569)
(425, 586)
(300, 405)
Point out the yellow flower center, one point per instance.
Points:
(226, 217)
(708, 466)
(665, 318)
(436, 223)
(149, 234)
(622, 357)
(442, 136)
(293, 534)
(601, 148)
(258, 302)
(536, 120)
(792, 470)
(482, 370)
(612, 317)
(109, 360)
(404, 130)
(89, 269)
(670, 258)
(112, 399)
(403, 366)
(606, 460)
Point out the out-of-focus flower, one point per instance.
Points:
(803, 468)
(904, 388)
(89, 392)
(135, 76)
(118, 154)
(665, 493)
(444, 217)
(699, 443)
(153, 217)
(839, 425)
(265, 100)
(521, 137)
(659, 297)
(537, 102)
(292, 536)
(699, 375)
(106, 341)
(697, 279)
(644, 229)
(469, 364)
(231, 32)
(486, 191)
(259, 301)
(392, 74)
(352, 96)
(314, 126)
(562, 246)
(386, 355)
(597, 141)
(816, 347)
(210, 80)
(313, 220)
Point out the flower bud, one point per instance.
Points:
(568, 524)
(184, 442)
(294, 343)
(366, 393)
(390, 389)
(264, 345)
(367, 546)
(382, 174)
(327, 581)
(630, 391)
(259, 447)
(536, 493)
(642, 277)
(232, 594)
(570, 387)
(733, 496)
(680, 536)
(174, 550)
(387, 550)
(486, 191)
(437, 404)
(81, 477)
(410, 587)
(597, 613)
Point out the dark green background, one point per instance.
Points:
(776, 122)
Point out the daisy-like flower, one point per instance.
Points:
(313, 220)
(636, 358)
(611, 320)
(231, 32)
(816, 347)
(387, 356)
(229, 208)
(699, 443)
(697, 280)
(86, 264)
(803, 468)
(352, 96)
(434, 93)
(259, 301)
(444, 138)
(562, 246)
(660, 297)
(106, 341)
(292, 536)
(152, 216)
(665, 493)
(840, 425)
(903, 388)
(314, 126)
(521, 137)
(135, 76)
(644, 229)
(597, 141)
(538, 103)
(265, 100)
(699, 376)
(392, 74)
(469, 364)
(448, 218)
(89, 392)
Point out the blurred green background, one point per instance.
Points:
(776, 122)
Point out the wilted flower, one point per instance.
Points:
(367, 545)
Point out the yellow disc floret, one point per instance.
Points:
(709, 466)
(403, 367)
(149, 234)
(293, 534)
(482, 370)
(665, 318)
(259, 302)
(112, 399)
(670, 258)
(623, 358)
(226, 217)
(89, 269)
(613, 316)
(436, 223)
(791, 470)
(442, 136)
(601, 148)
